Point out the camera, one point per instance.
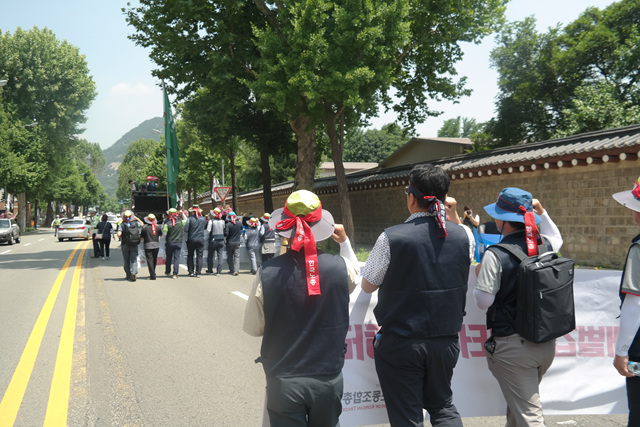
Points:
(468, 212)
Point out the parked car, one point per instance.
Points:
(9, 231)
(75, 228)
(113, 219)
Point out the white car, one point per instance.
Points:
(75, 228)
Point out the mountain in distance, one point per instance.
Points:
(113, 155)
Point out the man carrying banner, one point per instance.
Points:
(300, 305)
(627, 359)
(420, 269)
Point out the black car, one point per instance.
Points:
(9, 231)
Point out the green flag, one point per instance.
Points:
(173, 157)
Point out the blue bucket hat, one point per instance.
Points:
(511, 205)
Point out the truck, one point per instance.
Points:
(144, 204)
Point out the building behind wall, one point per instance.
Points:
(573, 178)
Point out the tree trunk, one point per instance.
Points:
(234, 188)
(341, 178)
(266, 181)
(35, 217)
(49, 215)
(22, 211)
(306, 163)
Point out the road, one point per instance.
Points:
(83, 347)
(169, 352)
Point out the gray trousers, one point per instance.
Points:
(233, 258)
(254, 254)
(518, 365)
(305, 401)
(215, 247)
(130, 255)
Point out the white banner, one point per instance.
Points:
(581, 380)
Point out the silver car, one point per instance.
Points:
(75, 228)
(9, 231)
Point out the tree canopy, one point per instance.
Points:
(373, 145)
(579, 78)
(48, 90)
(460, 127)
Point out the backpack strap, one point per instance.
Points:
(514, 250)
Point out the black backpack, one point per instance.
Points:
(545, 308)
(131, 234)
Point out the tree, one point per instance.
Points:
(309, 73)
(546, 80)
(304, 68)
(48, 85)
(144, 157)
(460, 127)
(206, 51)
(373, 145)
(597, 107)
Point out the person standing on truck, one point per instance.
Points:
(173, 229)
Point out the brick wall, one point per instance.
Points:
(596, 229)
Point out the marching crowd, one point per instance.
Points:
(217, 231)
(299, 303)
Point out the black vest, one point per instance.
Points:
(174, 233)
(423, 293)
(506, 298)
(304, 334)
(634, 350)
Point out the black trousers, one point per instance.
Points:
(195, 247)
(152, 260)
(104, 247)
(96, 247)
(314, 401)
(416, 374)
(633, 399)
(173, 257)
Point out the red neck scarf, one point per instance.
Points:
(232, 218)
(153, 226)
(304, 235)
(173, 218)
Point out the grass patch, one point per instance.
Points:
(331, 247)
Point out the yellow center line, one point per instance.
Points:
(58, 406)
(14, 394)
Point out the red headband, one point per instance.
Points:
(303, 234)
(636, 190)
(529, 227)
(437, 206)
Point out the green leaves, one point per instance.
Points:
(580, 78)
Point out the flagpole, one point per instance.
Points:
(166, 159)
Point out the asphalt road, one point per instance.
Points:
(82, 346)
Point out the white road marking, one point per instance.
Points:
(26, 244)
(40, 240)
(5, 252)
(241, 295)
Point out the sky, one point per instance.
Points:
(129, 95)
